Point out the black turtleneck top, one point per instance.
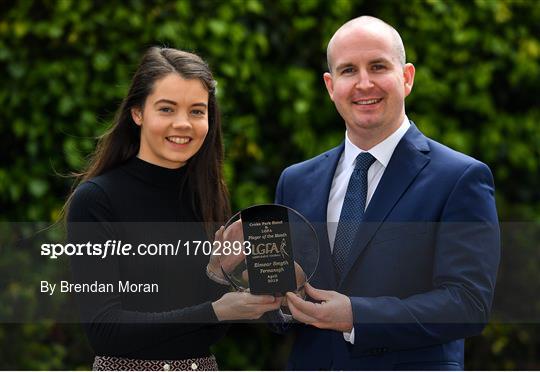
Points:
(136, 203)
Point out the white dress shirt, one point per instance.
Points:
(382, 153)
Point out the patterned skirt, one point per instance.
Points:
(109, 363)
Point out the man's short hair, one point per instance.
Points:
(396, 38)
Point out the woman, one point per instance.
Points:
(156, 177)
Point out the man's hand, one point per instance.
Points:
(334, 312)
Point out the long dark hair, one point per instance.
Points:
(121, 142)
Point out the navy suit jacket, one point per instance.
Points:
(421, 272)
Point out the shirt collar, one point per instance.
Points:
(382, 151)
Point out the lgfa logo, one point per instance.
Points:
(271, 248)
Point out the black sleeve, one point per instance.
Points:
(108, 325)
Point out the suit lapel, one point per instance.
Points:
(320, 180)
(408, 159)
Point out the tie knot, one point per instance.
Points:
(364, 161)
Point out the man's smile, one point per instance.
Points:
(365, 102)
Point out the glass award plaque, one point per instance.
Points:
(279, 250)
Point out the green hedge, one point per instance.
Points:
(65, 66)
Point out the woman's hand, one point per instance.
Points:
(243, 305)
(214, 265)
(228, 262)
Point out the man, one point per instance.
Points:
(409, 232)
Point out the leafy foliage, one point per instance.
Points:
(65, 66)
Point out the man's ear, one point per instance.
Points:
(329, 84)
(136, 115)
(408, 78)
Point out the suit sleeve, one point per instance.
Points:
(108, 325)
(466, 258)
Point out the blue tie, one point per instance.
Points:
(352, 211)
